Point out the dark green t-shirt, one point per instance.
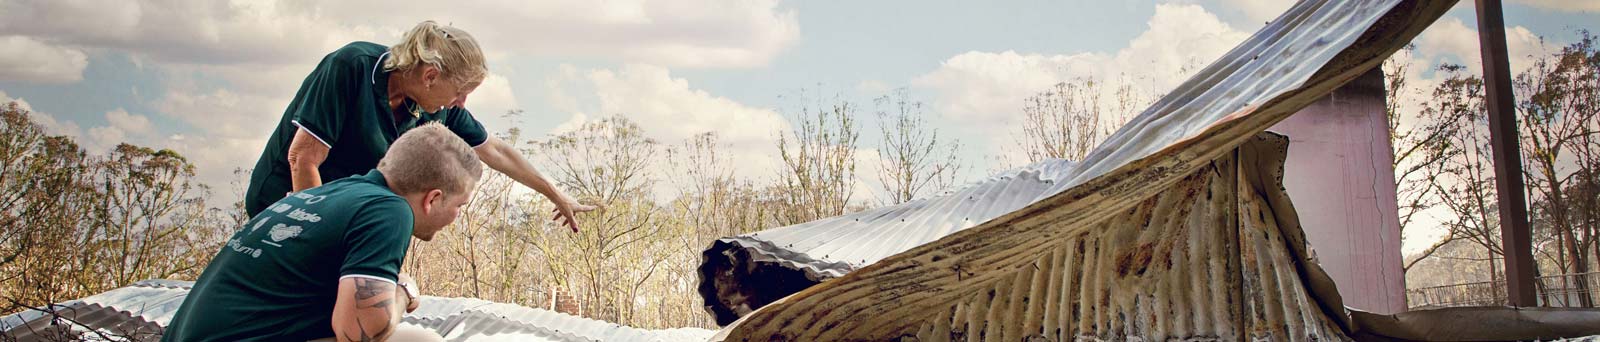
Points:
(345, 104)
(277, 278)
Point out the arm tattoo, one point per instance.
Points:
(368, 288)
(381, 293)
(383, 304)
(368, 337)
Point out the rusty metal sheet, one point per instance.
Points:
(1109, 284)
(1304, 54)
(1496, 323)
(1313, 48)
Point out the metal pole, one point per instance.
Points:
(1507, 157)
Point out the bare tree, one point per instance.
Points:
(1558, 110)
(1070, 119)
(1419, 143)
(614, 254)
(710, 198)
(913, 159)
(1466, 178)
(819, 160)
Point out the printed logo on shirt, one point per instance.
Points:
(309, 198)
(258, 224)
(281, 232)
(304, 216)
(238, 246)
(279, 208)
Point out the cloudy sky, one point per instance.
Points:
(207, 78)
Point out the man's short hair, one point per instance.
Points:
(430, 157)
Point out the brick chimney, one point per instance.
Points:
(562, 301)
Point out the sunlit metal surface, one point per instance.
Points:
(1267, 67)
(142, 309)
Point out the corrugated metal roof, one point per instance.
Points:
(79, 322)
(829, 248)
(1094, 239)
(1272, 62)
(151, 304)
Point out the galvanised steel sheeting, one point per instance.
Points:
(841, 244)
(829, 248)
(1272, 63)
(155, 302)
(876, 301)
(93, 323)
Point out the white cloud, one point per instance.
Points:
(184, 31)
(1260, 11)
(102, 139)
(740, 33)
(49, 122)
(131, 123)
(221, 112)
(121, 127)
(573, 123)
(1451, 38)
(1563, 5)
(868, 187)
(985, 90)
(490, 102)
(21, 103)
(873, 88)
(671, 111)
(30, 60)
(230, 66)
(215, 159)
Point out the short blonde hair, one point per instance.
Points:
(430, 157)
(454, 52)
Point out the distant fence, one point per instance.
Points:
(1580, 290)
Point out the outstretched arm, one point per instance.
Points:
(505, 159)
(367, 309)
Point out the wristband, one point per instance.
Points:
(411, 295)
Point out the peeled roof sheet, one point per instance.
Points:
(1271, 63)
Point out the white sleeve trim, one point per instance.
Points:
(391, 281)
(313, 134)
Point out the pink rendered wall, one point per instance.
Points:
(1340, 177)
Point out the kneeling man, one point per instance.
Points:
(325, 262)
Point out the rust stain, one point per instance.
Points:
(1136, 261)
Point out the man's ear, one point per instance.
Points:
(432, 200)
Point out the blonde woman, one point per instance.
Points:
(363, 96)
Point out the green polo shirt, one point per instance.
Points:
(277, 278)
(344, 103)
